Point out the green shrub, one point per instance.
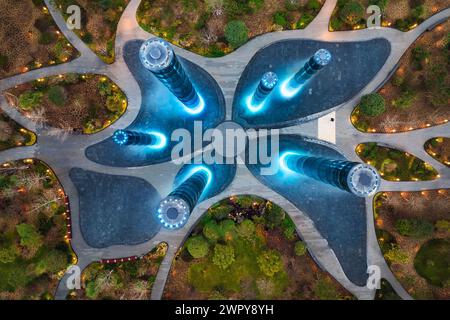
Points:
(304, 20)
(29, 237)
(52, 262)
(220, 211)
(274, 215)
(30, 100)
(419, 54)
(324, 289)
(211, 231)
(236, 33)
(246, 229)
(352, 13)
(223, 256)
(313, 5)
(372, 105)
(395, 254)
(87, 37)
(416, 228)
(280, 19)
(57, 96)
(197, 247)
(300, 248)
(227, 229)
(405, 100)
(8, 254)
(443, 225)
(335, 23)
(289, 229)
(270, 263)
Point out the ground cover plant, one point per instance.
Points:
(439, 148)
(248, 248)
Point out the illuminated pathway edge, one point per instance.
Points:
(62, 156)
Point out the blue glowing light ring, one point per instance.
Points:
(197, 109)
(287, 91)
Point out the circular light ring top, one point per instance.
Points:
(156, 54)
(363, 180)
(173, 212)
(322, 57)
(269, 80)
(120, 137)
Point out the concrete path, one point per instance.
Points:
(62, 155)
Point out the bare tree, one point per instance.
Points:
(48, 197)
(38, 117)
(390, 123)
(208, 37)
(30, 181)
(216, 7)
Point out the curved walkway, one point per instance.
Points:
(63, 155)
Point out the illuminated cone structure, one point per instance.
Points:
(158, 56)
(268, 82)
(357, 178)
(128, 137)
(319, 60)
(175, 209)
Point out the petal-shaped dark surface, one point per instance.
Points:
(338, 215)
(160, 111)
(353, 66)
(115, 210)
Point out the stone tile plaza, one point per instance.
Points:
(127, 201)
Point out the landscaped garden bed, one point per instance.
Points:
(395, 165)
(98, 24)
(248, 248)
(30, 38)
(34, 239)
(73, 102)
(130, 280)
(13, 135)
(439, 148)
(403, 15)
(413, 230)
(216, 27)
(417, 96)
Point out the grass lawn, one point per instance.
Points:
(13, 135)
(73, 102)
(32, 40)
(201, 25)
(248, 248)
(132, 280)
(395, 165)
(34, 247)
(418, 95)
(439, 148)
(413, 230)
(99, 24)
(403, 15)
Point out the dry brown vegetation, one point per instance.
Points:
(12, 134)
(439, 148)
(430, 206)
(29, 37)
(82, 103)
(99, 24)
(417, 95)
